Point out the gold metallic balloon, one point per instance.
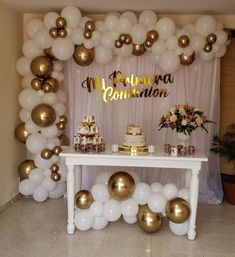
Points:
(54, 168)
(43, 115)
(83, 56)
(178, 210)
(87, 34)
(90, 25)
(138, 49)
(54, 84)
(57, 150)
(121, 185)
(41, 66)
(61, 22)
(63, 118)
(25, 168)
(21, 133)
(152, 35)
(64, 140)
(49, 54)
(60, 125)
(148, 43)
(128, 40)
(187, 60)
(122, 38)
(83, 199)
(46, 154)
(207, 48)
(149, 221)
(47, 88)
(211, 38)
(183, 41)
(62, 33)
(118, 44)
(55, 176)
(53, 32)
(36, 83)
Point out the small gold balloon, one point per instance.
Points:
(83, 199)
(54, 84)
(183, 41)
(128, 40)
(87, 34)
(118, 44)
(49, 54)
(207, 48)
(63, 118)
(122, 38)
(90, 25)
(36, 83)
(55, 176)
(21, 133)
(62, 33)
(46, 154)
(43, 115)
(211, 38)
(60, 125)
(25, 168)
(47, 88)
(152, 35)
(138, 49)
(83, 56)
(148, 220)
(121, 185)
(53, 32)
(64, 140)
(54, 168)
(187, 60)
(57, 150)
(41, 66)
(178, 210)
(61, 23)
(148, 43)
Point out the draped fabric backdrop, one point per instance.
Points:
(197, 85)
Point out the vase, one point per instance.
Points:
(183, 138)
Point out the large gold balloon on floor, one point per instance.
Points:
(64, 140)
(121, 185)
(178, 210)
(83, 199)
(149, 221)
(83, 56)
(25, 168)
(138, 49)
(41, 66)
(187, 60)
(21, 133)
(43, 115)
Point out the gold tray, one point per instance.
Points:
(131, 149)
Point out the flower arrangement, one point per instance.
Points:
(184, 118)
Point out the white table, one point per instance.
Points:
(191, 164)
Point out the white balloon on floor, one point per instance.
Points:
(179, 229)
(141, 193)
(84, 220)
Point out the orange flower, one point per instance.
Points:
(184, 122)
(173, 118)
(199, 121)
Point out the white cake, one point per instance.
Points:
(134, 137)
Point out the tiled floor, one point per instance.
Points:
(30, 229)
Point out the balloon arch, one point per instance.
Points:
(57, 38)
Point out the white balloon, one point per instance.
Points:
(23, 66)
(50, 132)
(169, 61)
(96, 36)
(28, 99)
(114, 34)
(55, 158)
(221, 52)
(84, 220)
(31, 50)
(130, 220)
(55, 74)
(88, 43)
(159, 47)
(33, 26)
(131, 16)
(170, 191)
(63, 48)
(26, 81)
(156, 187)
(50, 19)
(107, 40)
(165, 28)
(60, 77)
(63, 171)
(59, 190)
(40, 194)
(103, 55)
(172, 43)
(35, 143)
(24, 115)
(77, 36)
(206, 56)
(157, 202)
(148, 17)
(59, 108)
(183, 32)
(129, 208)
(124, 25)
(154, 58)
(215, 48)
(178, 50)
(138, 33)
(112, 210)
(43, 39)
(188, 51)
(50, 98)
(26, 187)
(40, 93)
(141, 193)
(179, 229)
(52, 142)
(97, 209)
(99, 223)
(205, 25)
(190, 28)
(219, 25)
(47, 172)
(31, 127)
(111, 22)
(197, 42)
(134, 176)
(124, 51)
(72, 15)
(100, 25)
(36, 176)
(48, 184)
(100, 193)
(184, 193)
(42, 163)
(221, 37)
(103, 177)
(58, 66)
(62, 97)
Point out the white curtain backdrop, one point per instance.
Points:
(197, 85)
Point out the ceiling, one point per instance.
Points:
(103, 6)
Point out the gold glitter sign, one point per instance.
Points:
(120, 87)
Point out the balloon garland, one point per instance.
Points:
(57, 38)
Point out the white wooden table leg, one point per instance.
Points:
(194, 187)
(70, 199)
(188, 178)
(78, 178)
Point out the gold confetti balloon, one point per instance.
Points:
(83, 199)
(25, 168)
